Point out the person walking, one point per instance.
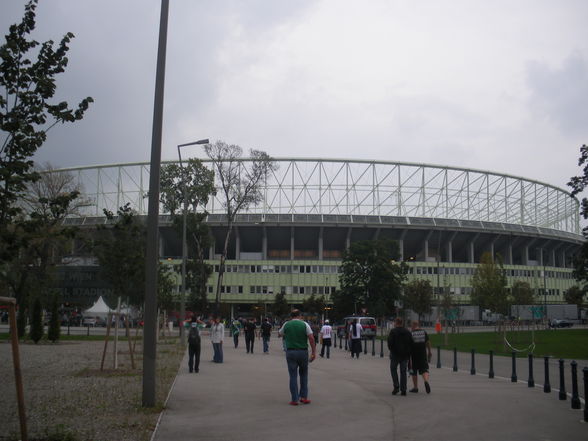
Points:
(249, 328)
(355, 331)
(217, 335)
(266, 333)
(400, 345)
(325, 333)
(236, 330)
(297, 335)
(194, 345)
(420, 356)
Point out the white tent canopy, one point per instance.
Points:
(98, 309)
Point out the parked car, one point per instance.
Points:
(367, 323)
(560, 323)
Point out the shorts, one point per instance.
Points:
(418, 366)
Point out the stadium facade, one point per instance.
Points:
(444, 219)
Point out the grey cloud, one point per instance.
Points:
(559, 94)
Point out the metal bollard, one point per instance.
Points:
(454, 359)
(546, 385)
(365, 346)
(438, 357)
(473, 369)
(585, 371)
(382, 348)
(340, 342)
(88, 327)
(491, 371)
(374, 346)
(575, 396)
(562, 384)
(531, 380)
(513, 377)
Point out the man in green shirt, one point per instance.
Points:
(297, 334)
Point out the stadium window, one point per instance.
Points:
(301, 289)
(320, 269)
(216, 268)
(252, 269)
(295, 289)
(315, 269)
(295, 269)
(264, 289)
(315, 290)
(321, 290)
(277, 269)
(258, 268)
(240, 289)
(252, 290)
(289, 290)
(308, 268)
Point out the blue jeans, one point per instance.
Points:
(394, 363)
(266, 340)
(297, 361)
(218, 352)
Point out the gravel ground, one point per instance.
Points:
(65, 391)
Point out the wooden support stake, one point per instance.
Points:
(129, 338)
(16, 362)
(108, 320)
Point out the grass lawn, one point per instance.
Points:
(566, 344)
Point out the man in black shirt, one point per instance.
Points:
(420, 356)
(250, 335)
(266, 332)
(400, 346)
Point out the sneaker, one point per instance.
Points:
(293, 403)
(427, 387)
(414, 390)
(395, 391)
(403, 393)
(304, 401)
(196, 370)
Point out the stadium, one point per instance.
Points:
(444, 219)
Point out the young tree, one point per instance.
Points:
(418, 296)
(489, 285)
(241, 182)
(27, 113)
(575, 296)
(120, 251)
(371, 277)
(522, 293)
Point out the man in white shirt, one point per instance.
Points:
(217, 335)
(325, 334)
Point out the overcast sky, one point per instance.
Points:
(498, 85)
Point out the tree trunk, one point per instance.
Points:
(221, 269)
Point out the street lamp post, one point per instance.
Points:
(184, 244)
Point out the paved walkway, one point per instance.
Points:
(246, 398)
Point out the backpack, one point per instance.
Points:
(194, 336)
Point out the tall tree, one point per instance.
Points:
(418, 296)
(489, 285)
(32, 268)
(578, 185)
(280, 308)
(241, 183)
(28, 72)
(372, 276)
(189, 188)
(120, 250)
